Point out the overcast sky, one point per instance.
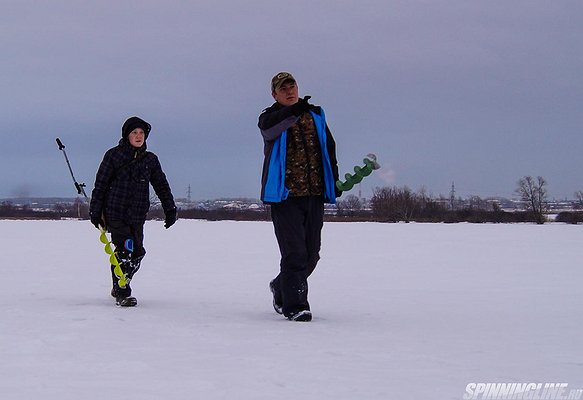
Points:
(479, 93)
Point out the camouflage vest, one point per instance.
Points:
(303, 172)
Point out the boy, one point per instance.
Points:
(121, 200)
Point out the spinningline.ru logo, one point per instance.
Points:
(520, 391)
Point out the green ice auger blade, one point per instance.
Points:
(370, 164)
(344, 186)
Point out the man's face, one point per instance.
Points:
(287, 94)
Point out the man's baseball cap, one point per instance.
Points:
(279, 79)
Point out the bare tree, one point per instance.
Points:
(477, 203)
(534, 193)
(382, 204)
(395, 204)
(406, 204)
(349, 206)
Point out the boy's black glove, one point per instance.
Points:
(97, 221)
(302, 106)
(170, 218)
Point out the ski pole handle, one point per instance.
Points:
(79, 186)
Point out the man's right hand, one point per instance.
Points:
(302, 106)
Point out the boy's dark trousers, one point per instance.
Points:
(129, 260)
(298, 225)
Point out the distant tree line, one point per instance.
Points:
(401, 204)
(11, 211)
(218, 214)
(573, 217)
(388, 204)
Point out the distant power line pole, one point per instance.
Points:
(452, 196)
(188, 194)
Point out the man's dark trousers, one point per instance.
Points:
(298, 225)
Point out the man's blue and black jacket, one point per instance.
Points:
(273, 123)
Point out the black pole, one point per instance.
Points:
(79, 186)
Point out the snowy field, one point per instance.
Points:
(401, 311)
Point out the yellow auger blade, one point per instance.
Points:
(122, 279)
(103, 237)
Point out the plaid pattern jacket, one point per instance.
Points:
(122, 184)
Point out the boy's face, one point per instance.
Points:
(287, 94)
(137, 137)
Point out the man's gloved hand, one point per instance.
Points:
(302, 106)
(170, 218)
(97, 221)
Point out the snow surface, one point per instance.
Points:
(402, 311)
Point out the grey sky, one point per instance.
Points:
(476, 92)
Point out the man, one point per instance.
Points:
(299, 175)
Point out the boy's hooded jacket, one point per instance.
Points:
(122, 184)
(273, 123)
